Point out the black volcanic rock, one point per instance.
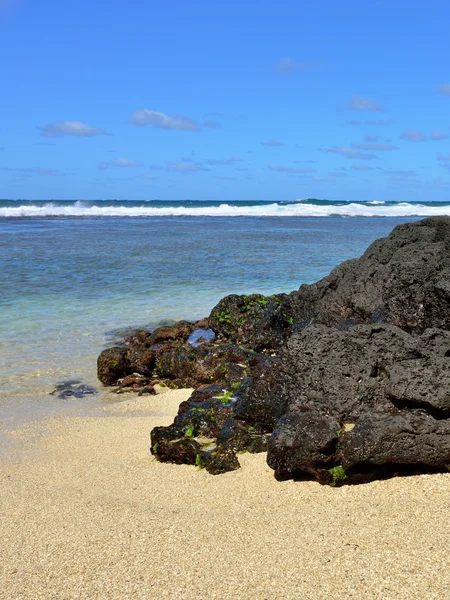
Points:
(382, 444)
(361, 399)
(112, 364)
(403, 280)
(256, 321)
(360, 386)
(345, 380)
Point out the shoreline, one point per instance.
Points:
(87, 513)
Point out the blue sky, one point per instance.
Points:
(225, 100)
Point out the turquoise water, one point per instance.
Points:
(69, 282)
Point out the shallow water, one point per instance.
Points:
(68, 284)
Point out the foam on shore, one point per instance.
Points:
(87, 513)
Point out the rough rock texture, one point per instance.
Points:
(112, 364)
(154, 356)
(256, 321)
(360, 399)
(403, 280)
(345, 380)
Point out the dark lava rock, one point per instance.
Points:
(360, 399)
(304, 443)
(403, 280)
(182, 361)
(349, 376)
(257, 322)
(220, 460)
(180, 331)
(384, 444)
(142, 360)
(113, 364)
(257, 405)
(182, 451)
(162, 354)
(208, 413)
(367, 368)
(241, 436)
(201, 394)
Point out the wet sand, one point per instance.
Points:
(86, 513)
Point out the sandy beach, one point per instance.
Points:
(86, 513)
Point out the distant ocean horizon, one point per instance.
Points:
(310, 207)
(75, 274)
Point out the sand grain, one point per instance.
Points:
(87, 514)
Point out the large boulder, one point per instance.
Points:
(403, 280)
(371, 400)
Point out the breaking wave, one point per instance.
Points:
(299, 208)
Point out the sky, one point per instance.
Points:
(255, 100)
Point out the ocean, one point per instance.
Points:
(76, 275)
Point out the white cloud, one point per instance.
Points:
(119, 162)
(349, 153)
(368, 123)
(272, 143)
(399, 174)
(287, 65)
(186, 167)
(147, 176)
(361, 167)
(49, 172)
(323, 179)
(285, 169)
(214, 115)
(338, 174)
(444, 89)
(35, 171)
(375, 147)
(436, 136)
(75, 128)
(224, 161)
(362, 103)
(161, 121)
(412, 135)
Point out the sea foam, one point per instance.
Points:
(276, 209)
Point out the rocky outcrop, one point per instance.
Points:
(371, 400)
(344, 381)
(259, 322)
(403, 280)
